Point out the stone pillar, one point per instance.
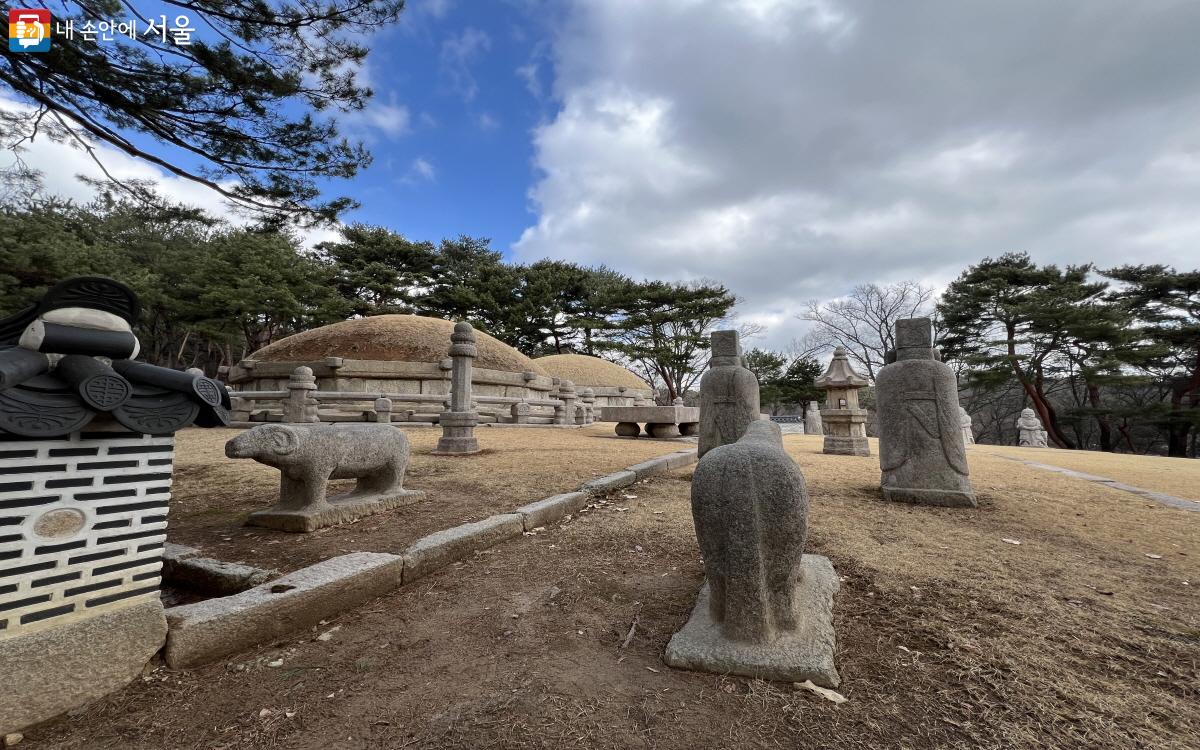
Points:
(812, 420)
(383, 410)
(520, 412)
(566, 394)
(964, 421)
(842, 421)
(766, 608)
(728, 394)
(588, 397)
(1031, 434)
(921, 449)
(458, 423)
(300, 406)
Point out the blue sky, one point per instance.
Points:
(790, 149)
(463, 76)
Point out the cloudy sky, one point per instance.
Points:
(790, 148)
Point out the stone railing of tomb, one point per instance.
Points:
(301, 398)
(619, 395)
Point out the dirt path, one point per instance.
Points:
(948, 636)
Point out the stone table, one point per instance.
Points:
(660, 421)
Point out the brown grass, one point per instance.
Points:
(392, 338)
(948, 636)
(583, 370)
(1174, 476)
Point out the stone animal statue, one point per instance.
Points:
(750, 506)
(766, 608)
(308, 456)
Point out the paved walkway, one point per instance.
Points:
(1158, 497)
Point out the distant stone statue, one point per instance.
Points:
(766, 608)
(728, 394)
(309, 456)
(921, 449)
(812, 420)
(1031, 434)
(965, 422)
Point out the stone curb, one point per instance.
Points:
(608, 483)
(441, 548)
(213, 577)
(547, 511)
(681, 459)
(205, 631)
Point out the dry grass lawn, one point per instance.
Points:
(1174, 476)
(948, 635)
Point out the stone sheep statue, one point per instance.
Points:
(308, 456)
(766, 609)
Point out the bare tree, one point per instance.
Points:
(864, 321)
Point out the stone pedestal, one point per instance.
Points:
(458, 433)
(803, 653)
(766, 609)
(843, 422)
(458, 423)
(729, 397)
(921, 449)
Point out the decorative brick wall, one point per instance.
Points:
(83, 521)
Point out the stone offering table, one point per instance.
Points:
(660, 421)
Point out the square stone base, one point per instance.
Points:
(50, 671)
(847, 446)
(804, 654)
(340, 509)
(944, 498)
(456, 446)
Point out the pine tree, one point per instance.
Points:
(1166, 305)
(246, 108)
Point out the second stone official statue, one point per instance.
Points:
(921, 449)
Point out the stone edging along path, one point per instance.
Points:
(1158, 497)
(209, 630)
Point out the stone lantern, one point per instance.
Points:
(844, 422)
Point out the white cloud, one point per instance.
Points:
(421, 170)
(795, 148)
(487, 121)
(529, 74)
(459, 53)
